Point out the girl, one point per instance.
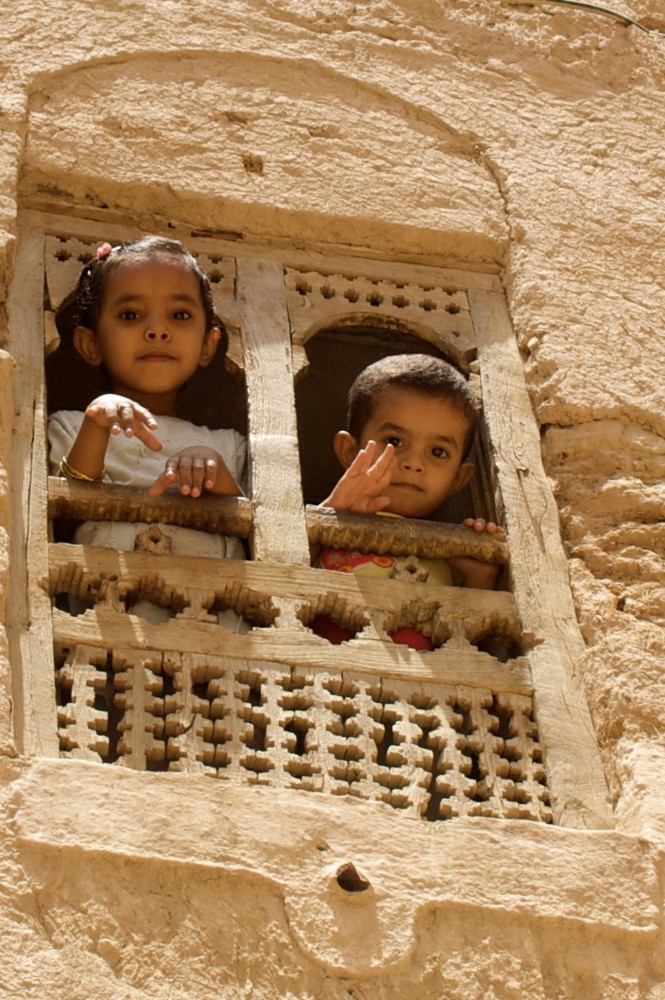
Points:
(143, 312)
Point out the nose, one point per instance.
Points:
(411, 460)
(157, 331)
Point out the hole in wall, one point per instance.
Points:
(350, 879)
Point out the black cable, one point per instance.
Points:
(599, 9)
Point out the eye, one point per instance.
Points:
(182, 314)
(394, 441)
(439, 452)
(129, 315)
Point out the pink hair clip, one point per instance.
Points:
(103, 250)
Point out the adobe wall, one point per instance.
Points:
(489, 134)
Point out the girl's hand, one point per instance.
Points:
(193, 470)
(360, 487)
(119, 414)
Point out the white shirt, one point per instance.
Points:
(129, 462)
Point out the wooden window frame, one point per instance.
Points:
(268, 340)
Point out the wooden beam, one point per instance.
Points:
(385, 660)
(28, 607)
(80, 570)
(540, 574)
(279, 530)
(233, 516)
(109, 502)
(401, 536)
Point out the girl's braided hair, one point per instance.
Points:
(84, 303)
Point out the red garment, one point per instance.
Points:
(382, 567)
(334, 633)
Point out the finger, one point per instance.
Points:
(362, 461)
(144, 433)
(198, 472)
(210, 473)
(477, 523)
(125, 416)
(145, 416)
(376, 504)
(160, 485)
(383, 462)
(370, 451)
(103, 415)
(184, 474)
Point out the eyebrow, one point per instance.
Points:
(139, 296)
(127, 296)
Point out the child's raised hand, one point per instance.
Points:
(360, 487)
(119, 414)
(194, 469)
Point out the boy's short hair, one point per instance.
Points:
(421, 372)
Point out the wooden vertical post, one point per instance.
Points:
(28, 606)
(540, 574)
(279, 530)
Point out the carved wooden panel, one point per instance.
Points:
(430, 750)
(438, 312)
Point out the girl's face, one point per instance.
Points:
(151, 334)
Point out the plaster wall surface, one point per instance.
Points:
(484, 135)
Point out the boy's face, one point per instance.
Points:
(429, 437)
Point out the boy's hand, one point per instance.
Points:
(480, 524)
(359, 489)
(193, 470)
(118, 414)
(481, 575)
(475, 573)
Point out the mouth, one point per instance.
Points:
(409, 487)
(156, 357)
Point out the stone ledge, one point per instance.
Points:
(354, 878)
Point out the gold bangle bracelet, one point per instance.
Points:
(69, 472)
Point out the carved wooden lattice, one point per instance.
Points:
(432, 750)
(439, 313)
(65, 255)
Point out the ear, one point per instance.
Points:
(464, 475)
(346, 448)
(210, 342)
(85, 342)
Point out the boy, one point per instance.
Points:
(411, 423)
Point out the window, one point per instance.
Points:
(492, 722)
